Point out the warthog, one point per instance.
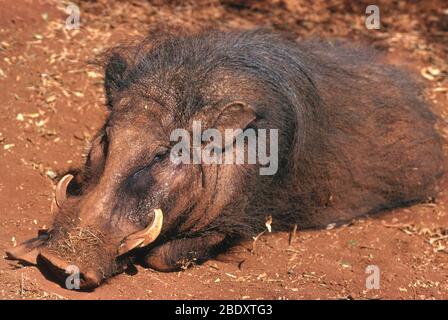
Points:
(354, 138)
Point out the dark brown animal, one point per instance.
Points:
(355, 137)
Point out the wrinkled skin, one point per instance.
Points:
(354, 138)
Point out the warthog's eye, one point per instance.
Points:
(143, 178)
(160, 156)
(95, 159)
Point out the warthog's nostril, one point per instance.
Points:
(89, 280)
(60, 270)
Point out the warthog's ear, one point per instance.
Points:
(235, 115)
(114, 75)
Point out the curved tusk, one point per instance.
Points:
(145, 237)
(61, 189)
(151, 233)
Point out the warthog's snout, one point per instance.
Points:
(60, 270)
(61, 253)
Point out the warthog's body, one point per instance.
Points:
(354, 138)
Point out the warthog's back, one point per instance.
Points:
(370, 142)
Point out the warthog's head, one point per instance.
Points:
(132, 194)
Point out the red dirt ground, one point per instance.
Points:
(52, 102)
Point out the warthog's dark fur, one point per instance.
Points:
(355, 137)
